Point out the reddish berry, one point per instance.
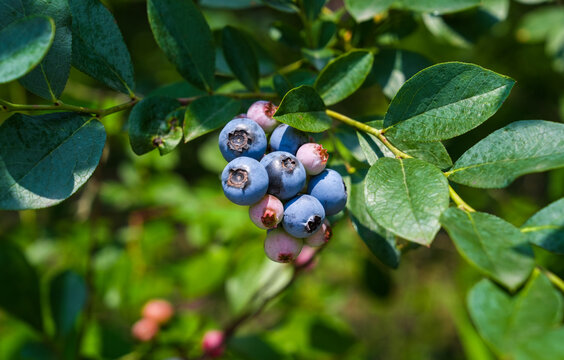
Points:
(267, 213)
(145, 329)
(212, 343)
(305, 257)
(313, 157)
(159, 310)
(262, 112)
(281, 247)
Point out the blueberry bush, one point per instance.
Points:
(241, 179)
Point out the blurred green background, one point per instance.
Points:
(159, 227)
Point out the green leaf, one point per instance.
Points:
(20, 286)
(47, 80)
(491, 244)
(407, 197)
(521, 147)
(432, 152)
(67, 297)
(546, 227)
(441, 30)
(343, 76)
(229, 4)
(183, 34)
(537, 25)
(240, 57)
(312, 8)
(444, 101)
(381, 242)
(207, 114)
(98, 48)
(46, 158)
(303, 109)
(362, 10)
(391, 68)
(23, 44)
(437, 6)
(150, 125)
(523, 327)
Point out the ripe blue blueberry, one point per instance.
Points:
(244, 181)
(303, 216)
(242, 137)
(328, 187)
(286, 174)
(286, 138)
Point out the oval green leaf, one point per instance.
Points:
(379, 241)
(67, 295)
(303, 109)
(23, 44)
(537, 25)
(444, 101)
(436, 6)
(343, 76)
(491, 244)
(407, 197)
(185, 37)
(154, 123)
(49, 78)
(46, 158)
(207, 114)
(20, 286)
(527, 326)
(98, 48)
(240, 57)
(546, 227)
(521, 147)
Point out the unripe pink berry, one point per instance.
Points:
(145, 329)
(313, 157)
(159, 310)
(305, 257)
(322, 236)
(262, 111)
(281, 247)
(212, 343)
(267, 213)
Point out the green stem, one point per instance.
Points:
(459, 201)
(554, 279)
(291, 67)
(398, 153)
(370, 130)
(60, 106)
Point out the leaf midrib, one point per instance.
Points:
(502, 161)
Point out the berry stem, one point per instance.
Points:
(398, 153)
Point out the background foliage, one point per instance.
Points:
(150, 226)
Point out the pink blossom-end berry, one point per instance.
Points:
(159, 310)
(267, 213)
(145, 329)
(313, 157)
(305, 257)
(212, 343)
(281, 247)
(261, 112)
(322, 236)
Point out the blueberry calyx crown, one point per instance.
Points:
(313, 223)
(239, 140)
(238, 178)
(288, 164)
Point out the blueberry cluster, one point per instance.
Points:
(289, 185)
